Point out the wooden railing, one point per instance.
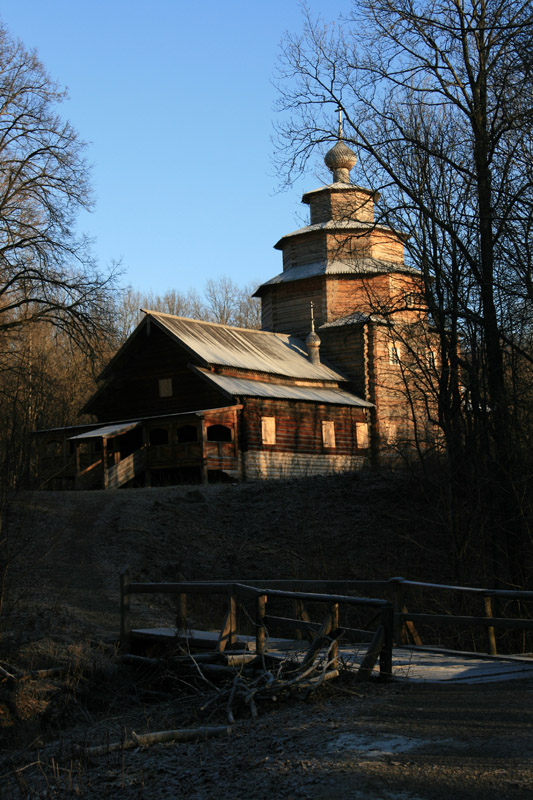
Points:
(396, 590)
(379, 641)
(404, 618)
(397, 627)
(126, 469)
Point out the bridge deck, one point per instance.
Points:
(420, 664)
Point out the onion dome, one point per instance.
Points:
(340, 160)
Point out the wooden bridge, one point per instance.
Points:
(369, 634)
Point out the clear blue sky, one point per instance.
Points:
(176, 102)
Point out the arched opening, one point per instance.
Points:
(159, 436)
(54, 449)
(187, 433)
(218, 433)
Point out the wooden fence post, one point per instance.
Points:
(125, 611)
(260, 633)
(491, 636)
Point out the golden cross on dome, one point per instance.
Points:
(339, 109)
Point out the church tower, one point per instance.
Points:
(368, 304)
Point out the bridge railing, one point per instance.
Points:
(379, 640)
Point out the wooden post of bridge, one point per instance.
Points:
(260, 632)
(334, 652)
(491, 636)
(385, 658)
(125, 611)
(228, 634)
(398, 606)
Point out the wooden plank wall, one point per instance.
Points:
(299, 427)
(134, 389)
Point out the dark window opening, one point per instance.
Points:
(159, 436)
(218, 433)
(187, 433)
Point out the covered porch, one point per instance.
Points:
(192, 447)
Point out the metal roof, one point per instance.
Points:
(339, 186)
(356, 318)
(244, 348)
(359, 266)
(108, 431)
(248, 388)
(334, 225)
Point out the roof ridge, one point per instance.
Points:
(153, 312)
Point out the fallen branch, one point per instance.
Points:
(158, 737)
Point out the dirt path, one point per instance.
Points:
(405, 743)
(400, 742)
(396, 742)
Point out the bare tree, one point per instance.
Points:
(222, 301)
(46, 271)
(435, 96)
(229, 304)
(55, 305)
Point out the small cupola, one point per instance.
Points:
(313, 341)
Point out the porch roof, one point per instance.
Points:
(108, 431)
(251, 388)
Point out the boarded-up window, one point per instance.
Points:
(391, 433)
(165, 387)
(361, 433)
(328, 433)
(394, 352)
(268, 430)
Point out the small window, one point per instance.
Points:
(159, 436)
(391, 432)
(328, 433)
(165, 387)
(218, 433)
(187, 433)
(268, 430)
(361, 434)
(394, 353)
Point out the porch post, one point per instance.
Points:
(204, 452)
(105, 479)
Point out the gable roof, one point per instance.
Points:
(244, 348)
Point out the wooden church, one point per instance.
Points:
(335, 380)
